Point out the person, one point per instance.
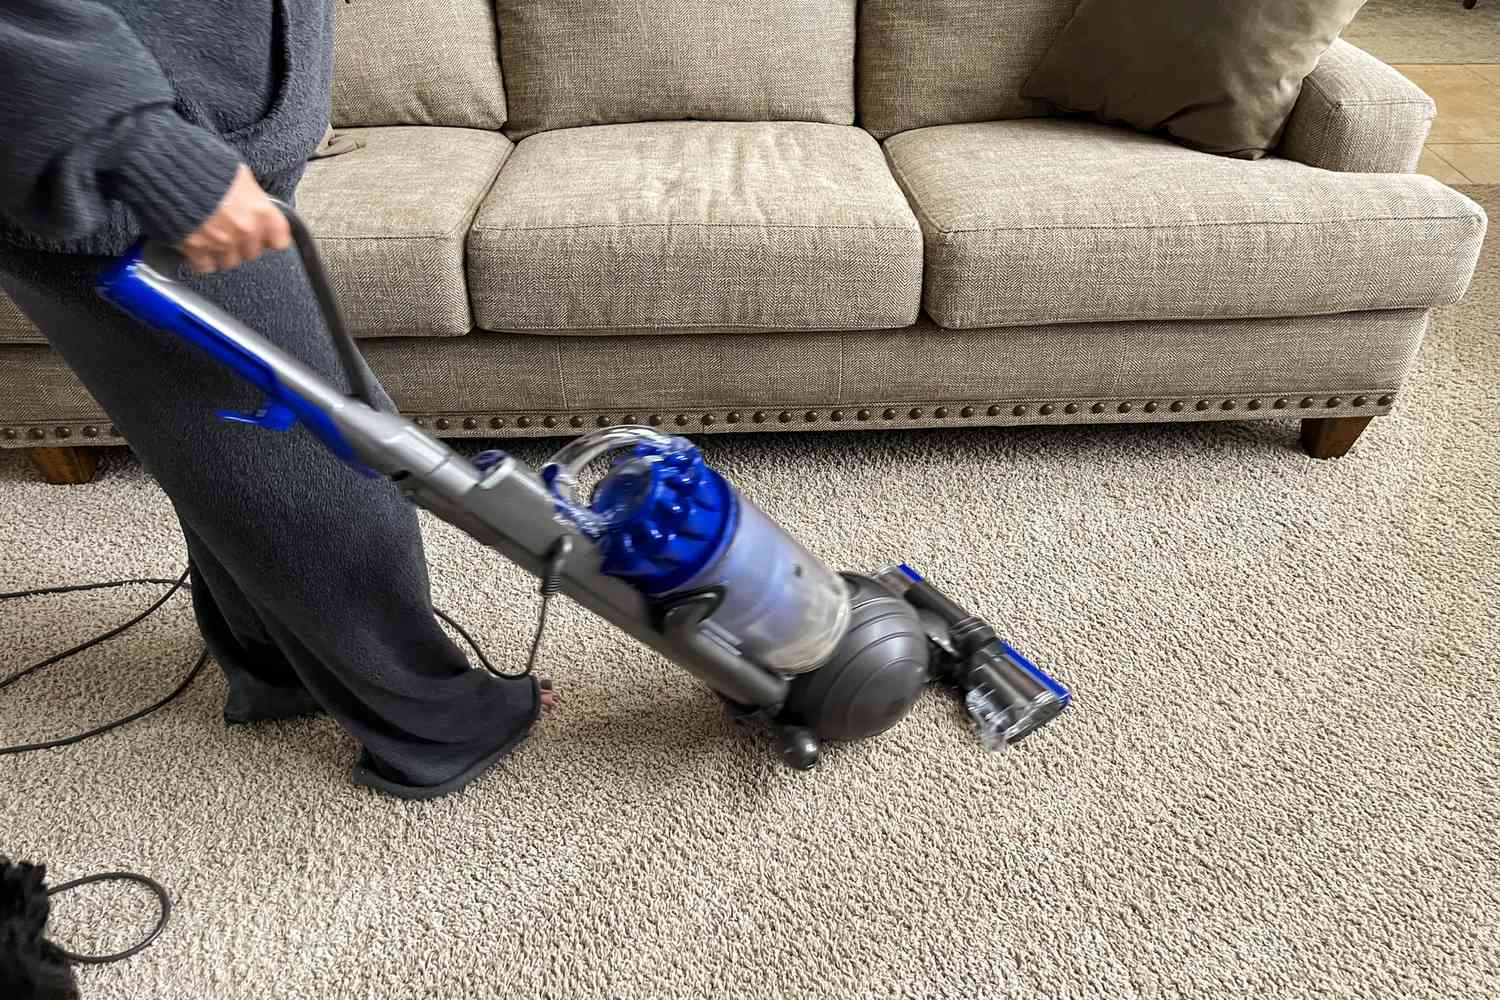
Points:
(180, 120)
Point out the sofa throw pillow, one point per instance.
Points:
(1217, 75)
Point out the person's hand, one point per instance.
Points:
(245, 225)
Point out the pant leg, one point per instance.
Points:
(332, 563)
(262, 683)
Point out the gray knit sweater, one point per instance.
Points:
(119, 117)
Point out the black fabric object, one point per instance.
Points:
(129, 116)
(31, 967)
(309, 580)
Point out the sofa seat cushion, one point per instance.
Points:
(696, 225)
(390, 218)
(1046, 221)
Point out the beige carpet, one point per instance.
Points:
(1428, 31)
(1281, 778)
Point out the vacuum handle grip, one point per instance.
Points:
(166, 260)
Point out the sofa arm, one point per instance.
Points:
(1357, 114)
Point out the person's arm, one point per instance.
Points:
(87, 116)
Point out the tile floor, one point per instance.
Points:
(1464, 147)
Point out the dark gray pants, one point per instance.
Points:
(309, 581)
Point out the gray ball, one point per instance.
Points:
(874, 676)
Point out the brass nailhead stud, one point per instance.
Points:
(708, 419)
(967, 411)
(916, 413)
(655, 420)
(602, 421)
(889, 414)
(785, 416)
(1386, 400)
(811, 416)
(1150, 407)
(1046, 410)
(91, 431)
(1334, 401)
(1071, 408)
(1019, 411)
(941, 412)
(1202, 404)
(470, 423)
(734, 416)
(682, 420)
(10, 433)
(994, 411)
(1228, 404)
(1281, 404)
(1307, 402)
(36, 433)
(1254, 404)
(1126, 407)
(442, 423)
(420, 421)
(497, 422)
(629, 418)
(1177, 406)
(836, 415)
(548, 421)
(523, 422)
(863, 415)
(64, 432)
(760, 417)
(575, 421)
(1098, 407)
(1360, 400)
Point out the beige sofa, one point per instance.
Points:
(726, 215)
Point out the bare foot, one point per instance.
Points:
(549, 696)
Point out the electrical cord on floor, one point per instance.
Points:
(162, 898)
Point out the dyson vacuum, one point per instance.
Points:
(663, 547)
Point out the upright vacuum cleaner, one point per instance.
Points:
(663, 547)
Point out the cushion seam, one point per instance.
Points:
(1220, 225)
(700, 225)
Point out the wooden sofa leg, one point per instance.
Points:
(1333, 437)
(66, 466)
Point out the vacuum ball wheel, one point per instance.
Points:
(799, 748)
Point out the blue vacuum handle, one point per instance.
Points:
(143, 283)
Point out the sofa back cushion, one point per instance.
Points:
(568, 63)
(416, 62)
(942, 62)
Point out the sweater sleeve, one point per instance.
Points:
(87, 117)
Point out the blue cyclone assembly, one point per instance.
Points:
(663, 546)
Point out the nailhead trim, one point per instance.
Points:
(714, 418)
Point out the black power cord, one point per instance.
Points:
(161, 922)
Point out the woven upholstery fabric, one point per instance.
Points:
(569, 63)
(390, 219)
(414, 62)
(1357, 114)
(943, 62)
(1045, 221)
(15, 328)
(517, 373)
(681, 225)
